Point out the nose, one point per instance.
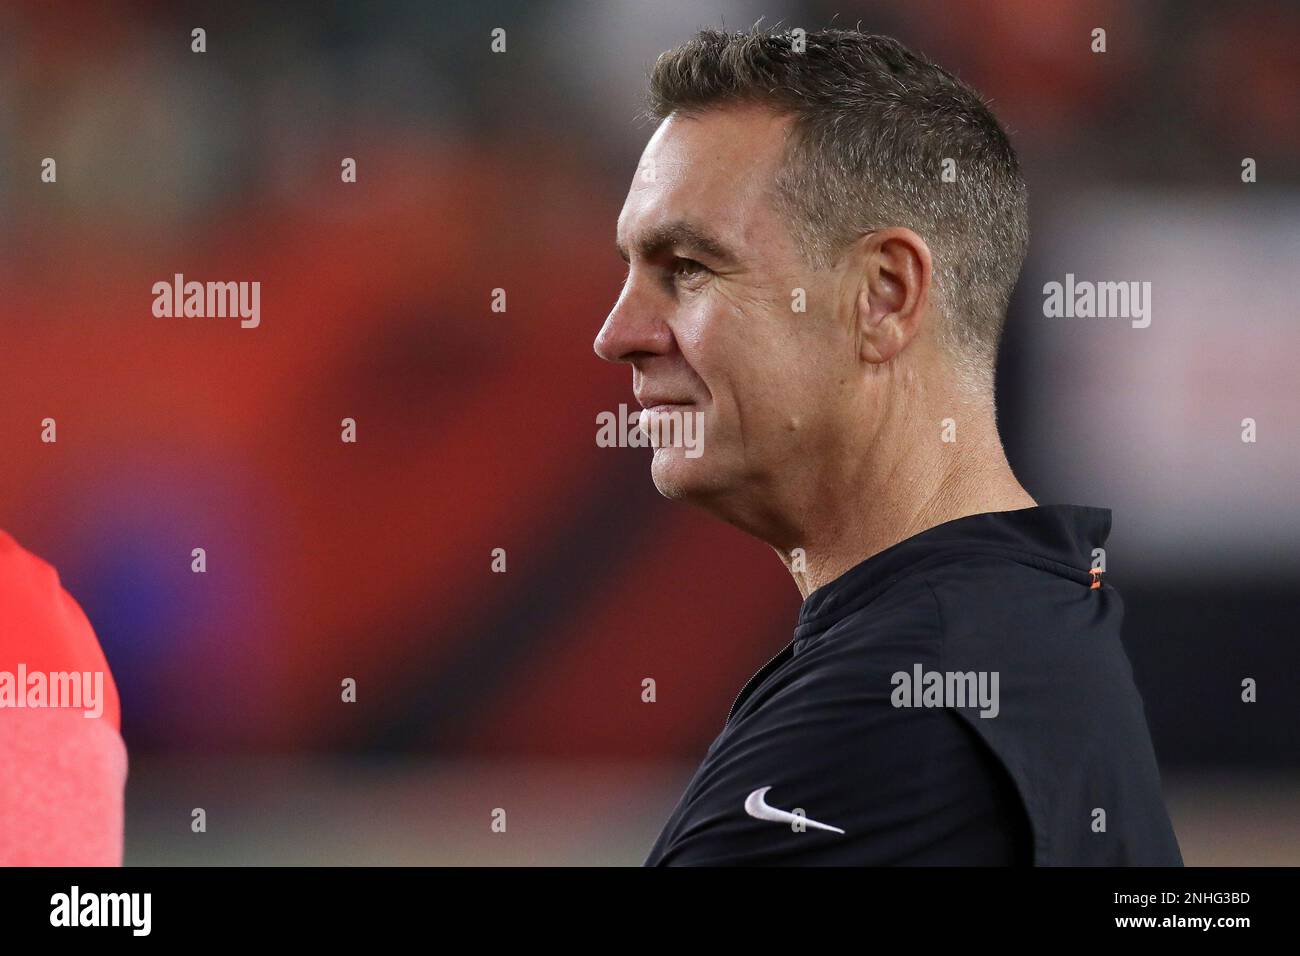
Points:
(634, 328)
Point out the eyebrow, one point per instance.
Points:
(679, 234)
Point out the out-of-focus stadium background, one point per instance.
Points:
(480, 171)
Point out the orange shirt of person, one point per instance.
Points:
(62, 773)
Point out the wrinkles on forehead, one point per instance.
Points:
(706, 189)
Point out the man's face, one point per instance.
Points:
(709, 315)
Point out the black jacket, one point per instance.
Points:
(869, 721)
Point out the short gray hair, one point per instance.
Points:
(873, 124)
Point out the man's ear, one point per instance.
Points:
(894, 291)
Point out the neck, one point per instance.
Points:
(900, 489)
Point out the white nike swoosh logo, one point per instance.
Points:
(757, 808)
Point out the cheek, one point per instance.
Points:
(770, 364)
(707, 337)
(798, 387)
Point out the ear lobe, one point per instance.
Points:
(870, 313)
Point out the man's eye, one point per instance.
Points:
(688, 269)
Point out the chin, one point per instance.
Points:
(680, 478)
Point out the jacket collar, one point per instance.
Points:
(1054, 538)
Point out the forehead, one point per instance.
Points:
(715, 170)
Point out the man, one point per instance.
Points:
(62, 760)
(822, 241)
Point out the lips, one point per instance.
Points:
(656, 402)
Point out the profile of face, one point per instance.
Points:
(721, 318)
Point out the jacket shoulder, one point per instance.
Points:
(42, 627)
(1070, 724)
